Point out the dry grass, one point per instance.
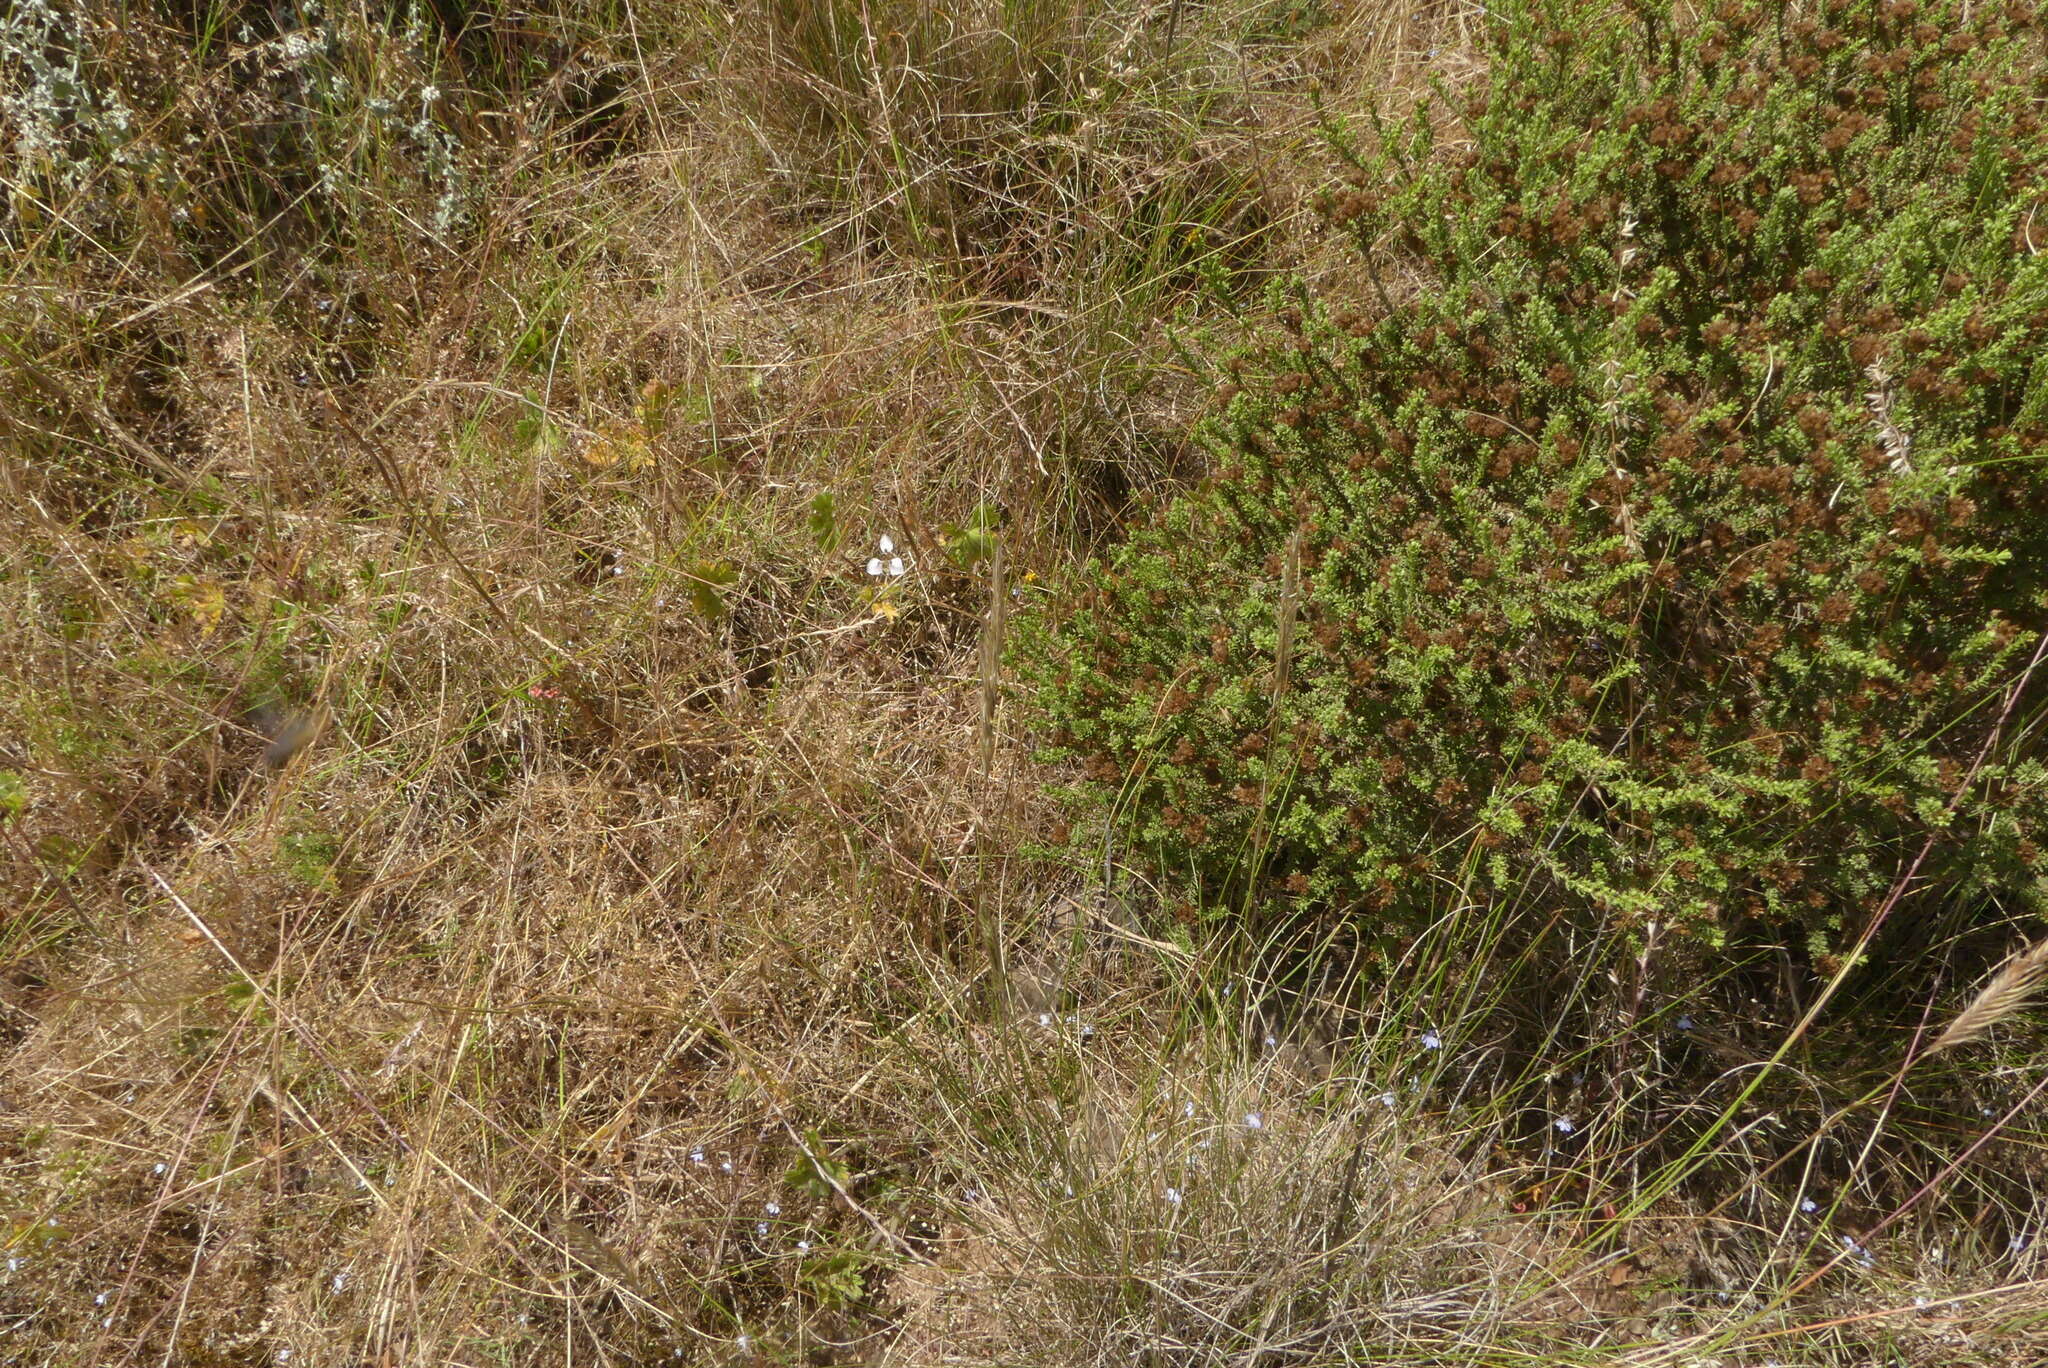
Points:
(493, 879)
(2008, 993)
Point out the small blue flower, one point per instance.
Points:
(1432, 1041)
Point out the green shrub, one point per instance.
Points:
(1652, 529)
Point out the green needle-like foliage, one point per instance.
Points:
(1653, 526)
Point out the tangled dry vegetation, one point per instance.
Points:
(494, 877)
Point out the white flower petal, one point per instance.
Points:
(887, 545)
(875, 566)
(895, 565)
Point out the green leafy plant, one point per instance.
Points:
(837, 1278)
(824, 521)
(1652, 527)
(970, 543)
(310, 857)
(816, 1173)
(708, 582)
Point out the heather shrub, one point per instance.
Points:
(1650, 529)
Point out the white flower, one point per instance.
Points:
(2015, 1245)
(1254, 1121)
(803, 1247)
(774, 1208)
(890, 568)
(697, 1156)
(1271, 1042)
(1432, 1041)
(1173, 1196)
(1685, 1023)
(100, 1299)
(1808, 1205)
(1564, 1125)
(725, 1166)
(1388, 1097)
(340, 1281)
(429, 94)
(1187, 1109)
(760, 1227)
(159, 1168)
(744, 1342)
